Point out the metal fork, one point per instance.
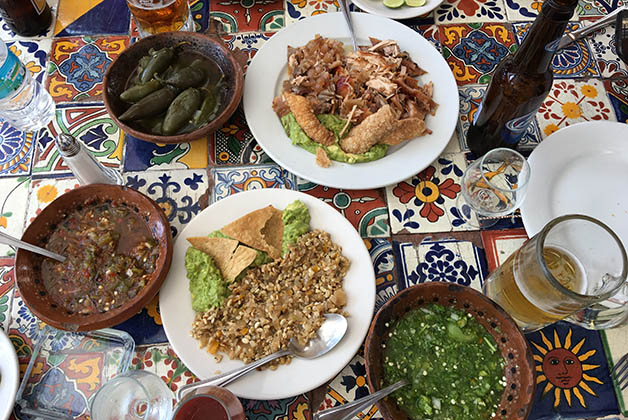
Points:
(620, 372)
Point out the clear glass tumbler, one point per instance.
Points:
(155, 16)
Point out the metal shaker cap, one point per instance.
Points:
(67, 145)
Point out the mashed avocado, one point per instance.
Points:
(296, 222)
(207, 287)
(334, 124)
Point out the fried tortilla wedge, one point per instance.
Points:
(241, 258)
(403, 130)
(260, 229)
(220, 249)
(304, 115)
(370, 131)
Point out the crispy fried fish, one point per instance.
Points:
(322, 159)
(370, 131)
(405, 129)
(304, 115)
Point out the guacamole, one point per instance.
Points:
(207, 286)
(296, 222)
(335, 125)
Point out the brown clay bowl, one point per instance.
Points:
(520, 375)
(28, 278)
(212, 47)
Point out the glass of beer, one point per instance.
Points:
(575, 267)
(155, 16)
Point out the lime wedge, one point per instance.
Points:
(393, 4)
(415, 3)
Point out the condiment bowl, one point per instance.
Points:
(27, 264)
(118, 73)
(516, 400)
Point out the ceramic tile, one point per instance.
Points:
(146, 326)
(470, 99)
(430, 32)
(16, 153)
(570, 102)
(14, 196)
(447, 260)
(598, 7)
(249, 42)
(6, 290)
(7, 34)
(427, 201)
(500, 244)
(456, 11)
(141, 155)
(78, 64)
(23, 329)
(176, 192)
(618, 94)
(249, 15)
(574, 61)
(228, 181)
(200, 13)
(44, 192)
(616, 344)
(383, 260)
(87, 122)
(572, 374)
(234, 144)
(301, 9)
(473, 50)
(520, 10)
(94, 17)
(602, 45)
(365, 209)
(33, 54)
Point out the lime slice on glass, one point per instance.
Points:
(393, 4)
(415, 3)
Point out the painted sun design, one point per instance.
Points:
(561, 366)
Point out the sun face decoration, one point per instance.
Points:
(562, 367)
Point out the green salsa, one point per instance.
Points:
(452, 364)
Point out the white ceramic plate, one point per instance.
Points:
(269, 68)
(9, 375)
(300, 375)
(581, 169)
(377, 7)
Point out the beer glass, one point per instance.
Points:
(155, 16)
(575, 268)
(494, 185)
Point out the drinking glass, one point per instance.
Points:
(492, 186)
(575, 267)
(209, 402)
(155, 16)
(134, 395)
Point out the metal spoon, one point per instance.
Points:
(348, 411)
(10, 240)
(347, 15)
(328, 335)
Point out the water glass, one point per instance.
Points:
(155, 16)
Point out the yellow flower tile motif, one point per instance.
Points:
(230, 129)
(588, 91)
(47, 193)
(299, 3)
(550, 128)
(571, 110)
(153, 310)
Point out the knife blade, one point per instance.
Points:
(587, 30)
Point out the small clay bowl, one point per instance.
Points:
(212, 47)
(517, 398)
(28, 277)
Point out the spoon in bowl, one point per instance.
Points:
(10, 240)
(328, 335)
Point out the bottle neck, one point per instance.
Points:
(537, 50)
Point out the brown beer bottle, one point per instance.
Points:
(26, 17)
(520, 82)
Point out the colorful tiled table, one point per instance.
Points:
(412, 237)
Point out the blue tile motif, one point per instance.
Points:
(228, 181)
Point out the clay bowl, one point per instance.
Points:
(212, 47)
(520, 376)
(28, 277)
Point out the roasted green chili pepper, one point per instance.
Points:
(158, 62)
(137, 92)
(185, 77)
(181, 110)
(207, 108)
(152, 125)
(150, 105)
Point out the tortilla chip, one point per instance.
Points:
(220, 249)
(405, 129)
(241, 258)
(251, 230)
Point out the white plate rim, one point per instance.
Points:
(377, 7)
(318, 371)
(10, 371)
(553, 152)
(401, 162)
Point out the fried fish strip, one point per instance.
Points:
(322, 159)
(405, 129)
(370, 131)
(304, 115)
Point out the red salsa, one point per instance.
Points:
(201, 407)
(110, 255)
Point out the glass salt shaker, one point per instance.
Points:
(83, 164)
